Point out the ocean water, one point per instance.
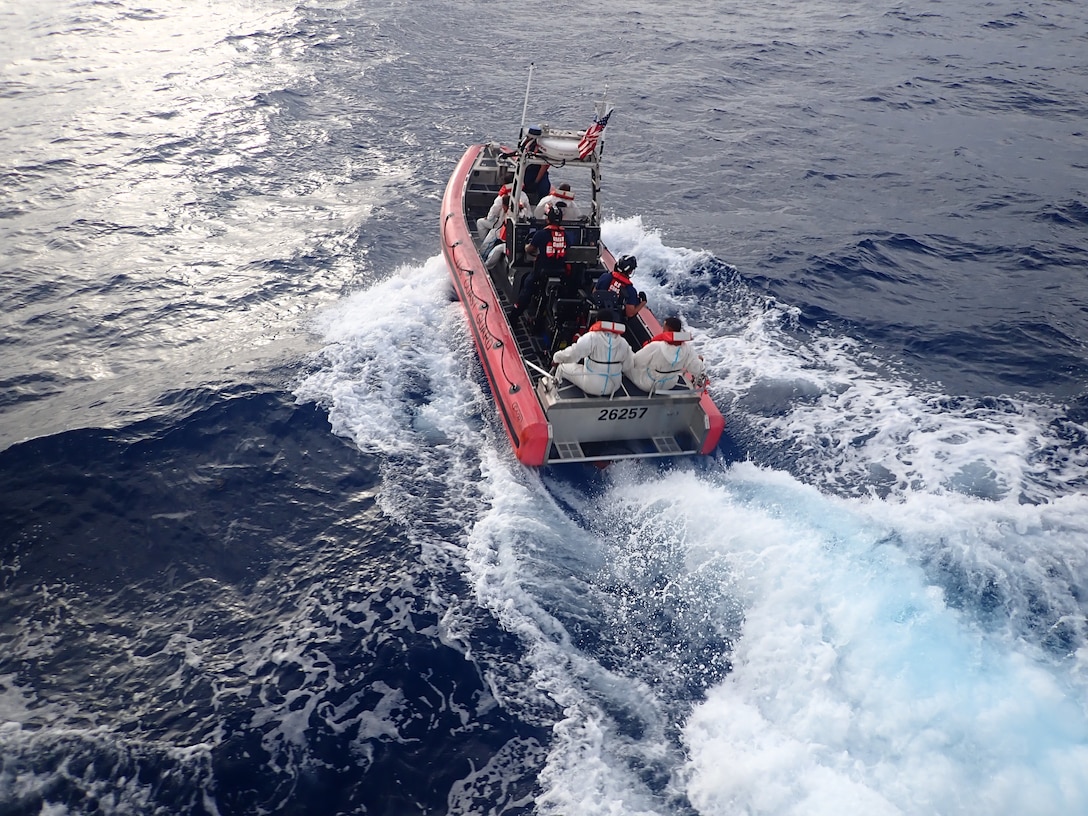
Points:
(264, 547)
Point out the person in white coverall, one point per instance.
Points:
(562, 196)
(597, 361)
(488, 227)
(668, 358)
(492, 228)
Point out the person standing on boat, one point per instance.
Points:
(614, 289)
(597, 361)
(667, 359)
(535, 180)
(548, 249)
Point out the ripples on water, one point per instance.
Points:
(165, 221)
(213, 604)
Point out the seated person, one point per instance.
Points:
(599, 358)
(495, 255)
(615, 291)
(562, 196)
(488, 227)
(666, 359)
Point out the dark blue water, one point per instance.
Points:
(263, 545)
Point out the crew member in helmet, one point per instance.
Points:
(597, 361)
(548, 249)
(667, 359)
(614, 290)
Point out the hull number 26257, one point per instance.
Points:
(621, 413)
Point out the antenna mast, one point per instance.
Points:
(525, 107)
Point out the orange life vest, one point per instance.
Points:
(608, 326)
(618, 284)
(556, 249)
(672, 338)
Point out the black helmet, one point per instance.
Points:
(554, 213)
(626, 264)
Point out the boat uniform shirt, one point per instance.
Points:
(628, 297)
(534, 187)
(540, 241)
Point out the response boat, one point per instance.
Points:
(548, 420)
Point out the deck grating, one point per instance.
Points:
(569, 450)
(667, 444)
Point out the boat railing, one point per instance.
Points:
(683, 385)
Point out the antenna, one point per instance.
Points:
(525, 107)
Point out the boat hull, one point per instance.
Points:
(521, 412)
(548, 421)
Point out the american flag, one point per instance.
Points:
(588, 142)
